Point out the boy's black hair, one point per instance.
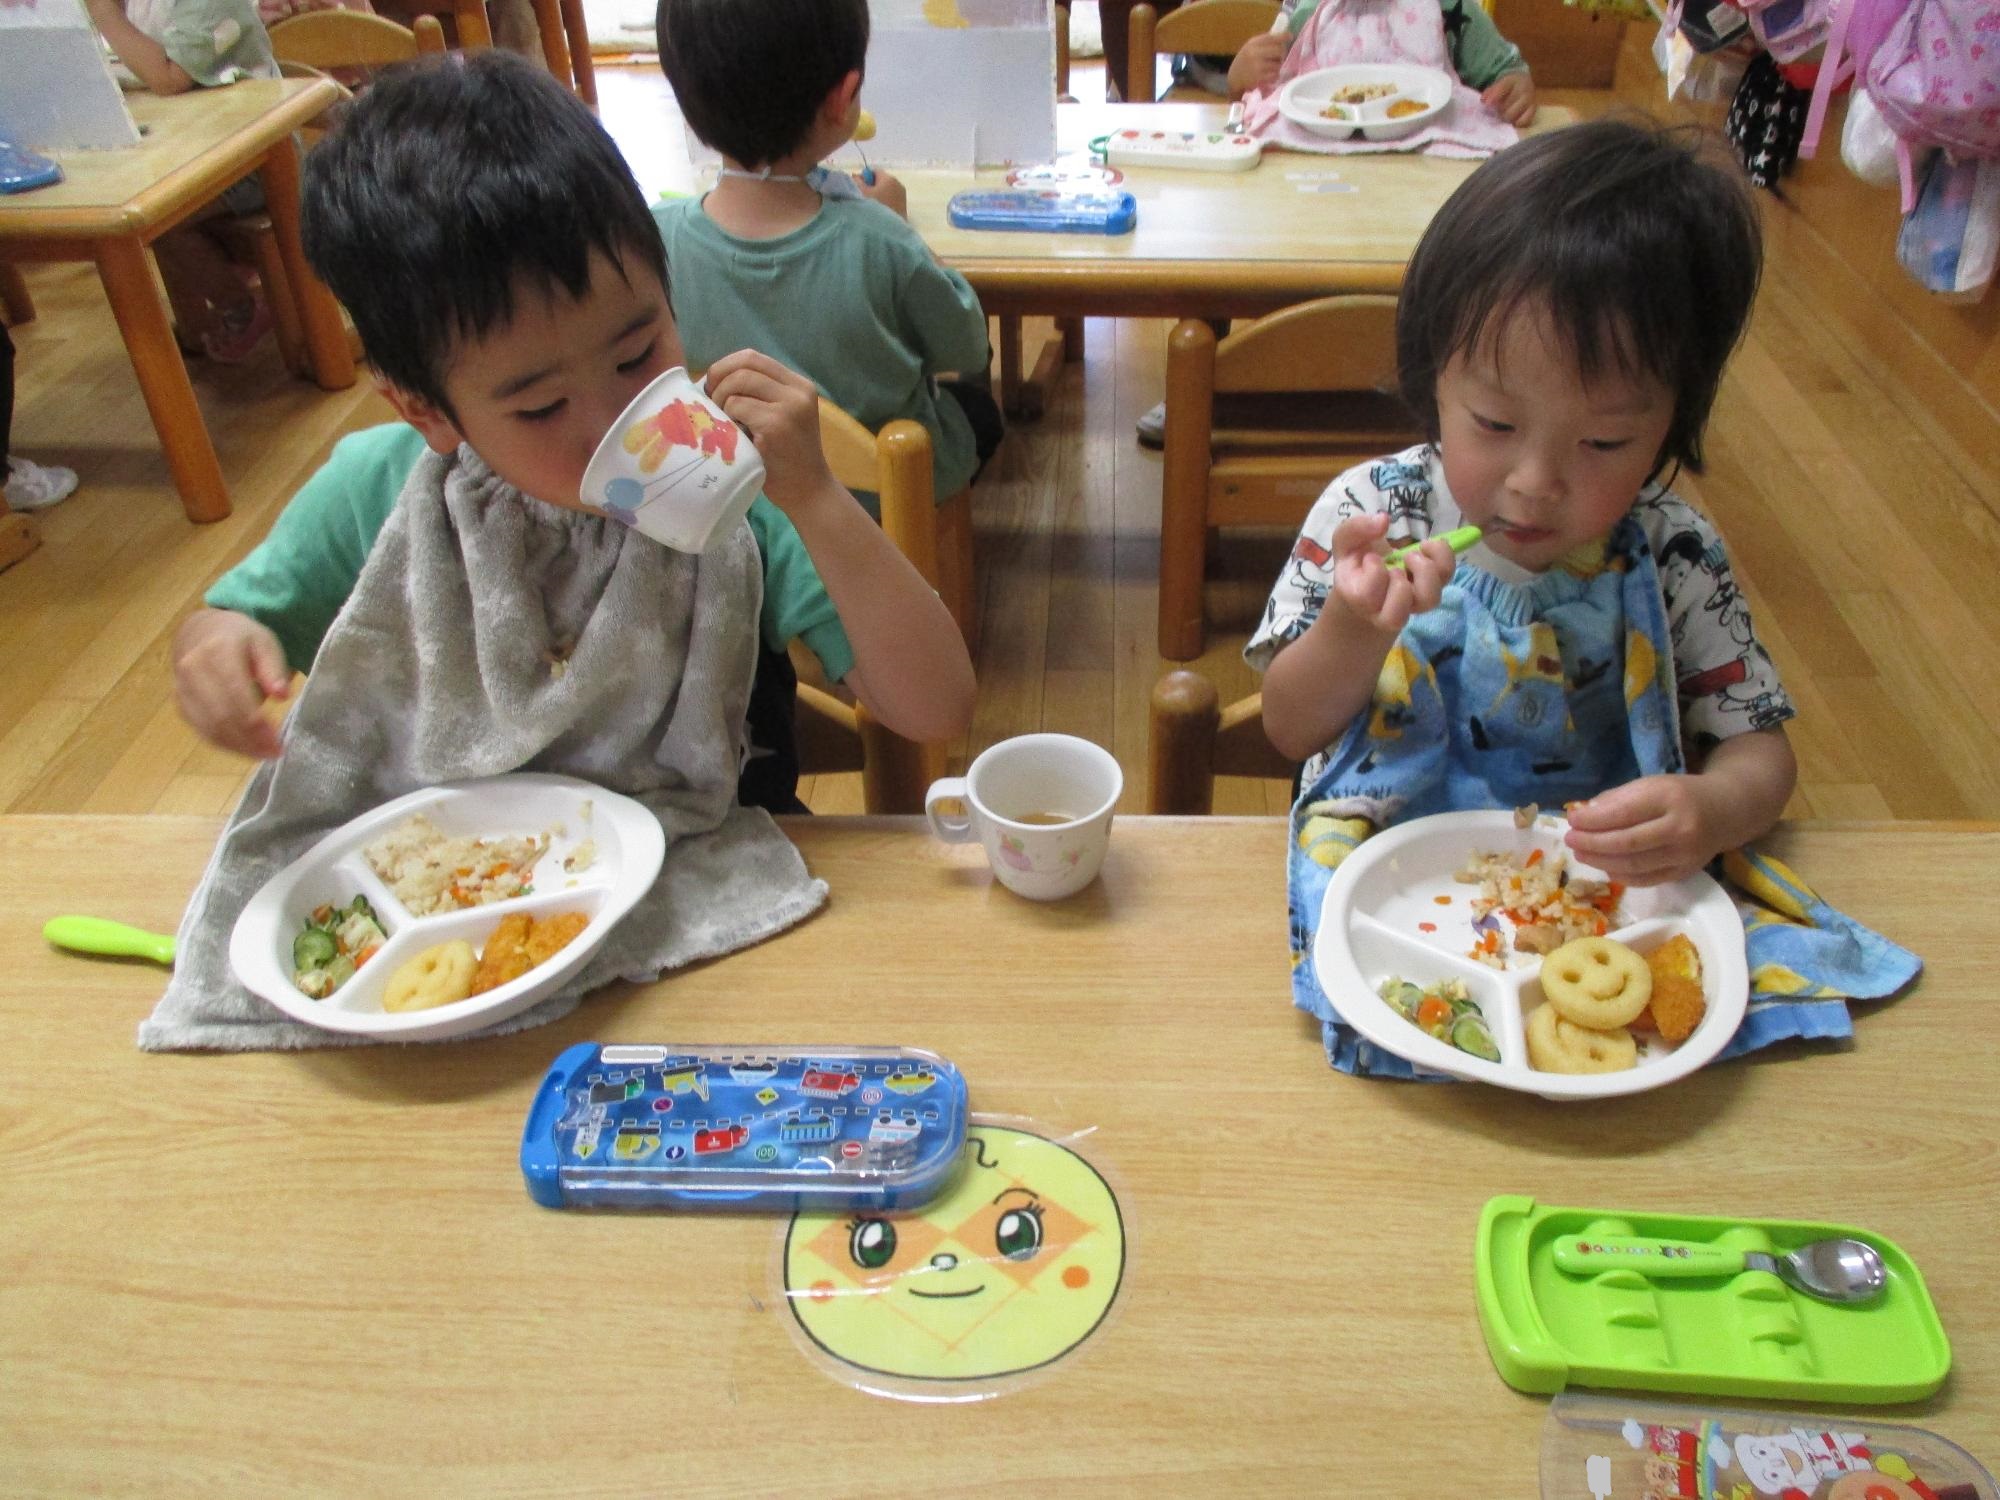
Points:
(443, 186)
(751, 74)
(1644, 251)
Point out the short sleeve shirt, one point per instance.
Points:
(1727, 684)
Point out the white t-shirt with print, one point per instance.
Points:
(1727, 683)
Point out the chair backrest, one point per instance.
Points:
(1193, 739)
(1212, 27)
(896, 465)
(1329, 344)
(328, 39)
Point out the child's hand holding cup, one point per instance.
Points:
(1041, 804)
(674, 468)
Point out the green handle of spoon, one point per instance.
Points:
(112, 939)
(1460, 540)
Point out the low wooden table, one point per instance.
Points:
(113, 204)
(319, 1271)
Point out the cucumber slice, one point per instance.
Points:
(1470, 1034)
(314, 949)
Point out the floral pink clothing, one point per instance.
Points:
(1379, 31)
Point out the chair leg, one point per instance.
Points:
(1184, 487)
(896, 773)
(1140, 62)
(954, 556)
(1072, 336)
(284, 306)
(1180, 745)
(582, 64)
(14, 297)
(1010, 364)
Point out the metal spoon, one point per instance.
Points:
(1836, 1270)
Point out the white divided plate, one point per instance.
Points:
(1303, 99)
(1383, 894)
(629, 849)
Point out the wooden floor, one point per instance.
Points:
(1865, 535)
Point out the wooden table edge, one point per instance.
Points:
(158, 208)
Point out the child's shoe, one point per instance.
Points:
(1153, 427)
(32, 486)
(243, 328)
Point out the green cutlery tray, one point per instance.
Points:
(1742, 1335)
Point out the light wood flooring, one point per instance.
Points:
(1865, 533)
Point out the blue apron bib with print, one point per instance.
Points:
(1547, 691)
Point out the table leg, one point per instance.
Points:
(319, 315)
(163, 378)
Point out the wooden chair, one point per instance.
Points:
(329, 39)
(16, 304)
(894, 464)
(1192, 740)
(1218, 27)
(471, 30)
(1258, 423)
(314, 42)
(566, 46)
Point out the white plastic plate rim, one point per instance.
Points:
(522, 803)
(1433, 86)
(1697, 905)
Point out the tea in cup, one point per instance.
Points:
(1041, 805)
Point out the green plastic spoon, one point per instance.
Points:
(112, 939)
(1460, 540)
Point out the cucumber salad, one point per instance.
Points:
(1444, 1011)
(337, 941)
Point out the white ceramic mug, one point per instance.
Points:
(673, 467)
(1041, 805)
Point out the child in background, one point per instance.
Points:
(465, 613)
(1484, 59)
(1562, 333)
(787, 261)
(173, 46)
(26, 484)
(1375, 31)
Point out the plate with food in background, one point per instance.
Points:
(1473, 944)
(1382, 101)
(448, 910)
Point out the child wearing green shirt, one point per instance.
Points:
(839, 287)
(510, 290)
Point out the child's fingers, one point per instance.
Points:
(1621, 808)
(1429, 569)
(268, 667)
(1359, 534)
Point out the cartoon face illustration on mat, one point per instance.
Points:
(1012, 1268)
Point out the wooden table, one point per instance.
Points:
(1207, 244)
(319, 1272)
(115, 203)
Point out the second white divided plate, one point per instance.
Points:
(626, 849)
(1304, 100)
(1394, 909)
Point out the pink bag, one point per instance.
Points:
(1936, 77)
(1855, 32)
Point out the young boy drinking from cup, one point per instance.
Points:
(462, 611)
